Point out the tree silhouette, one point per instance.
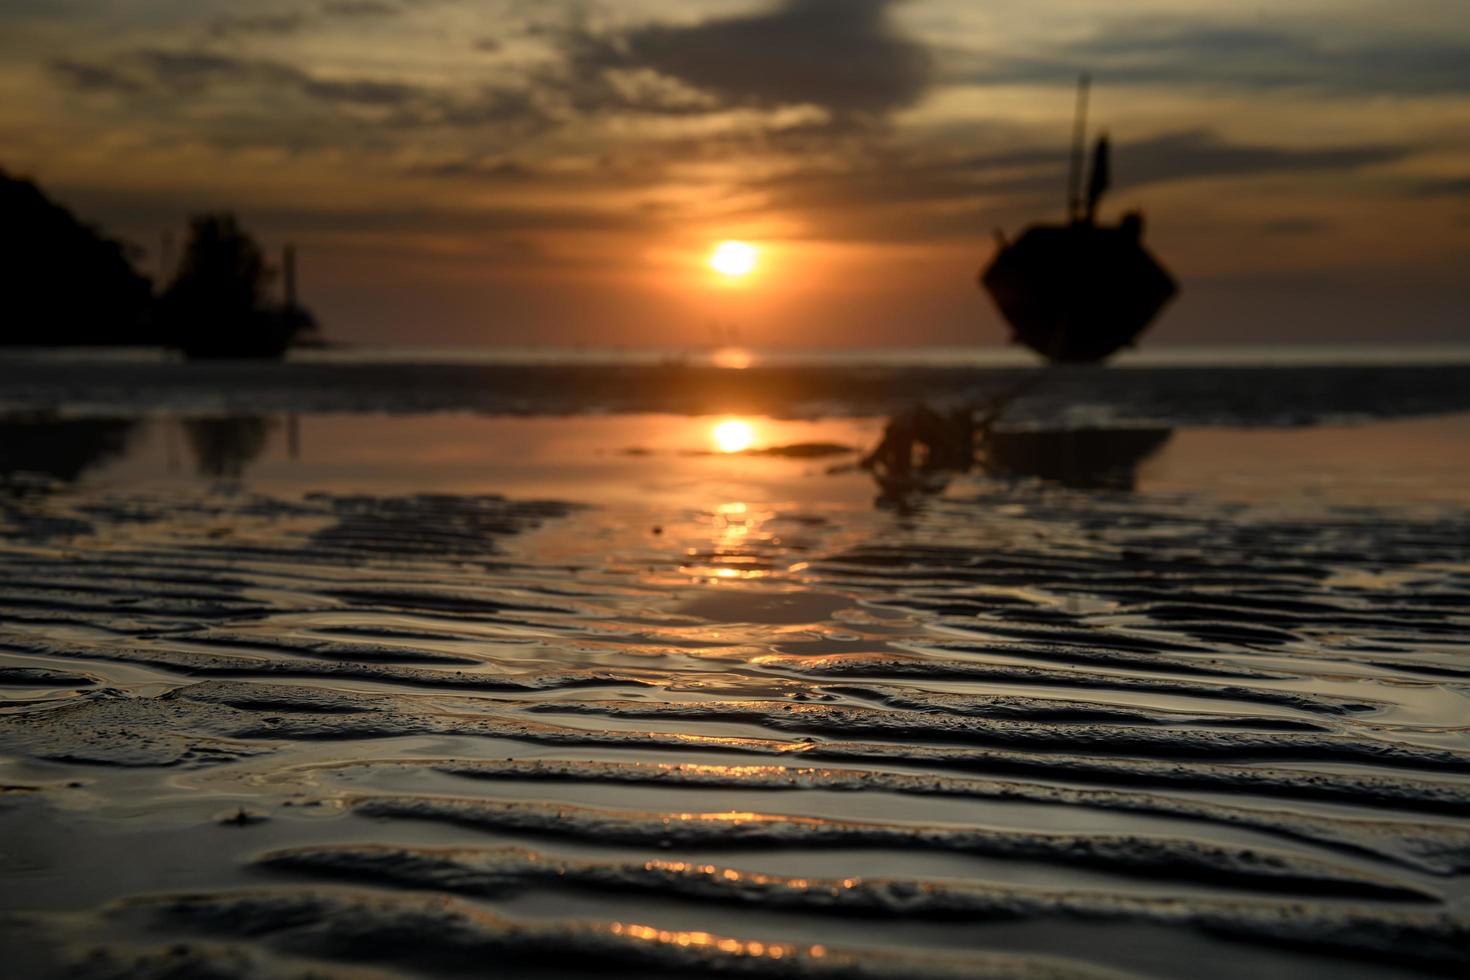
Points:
(218, 304)
(65, 283)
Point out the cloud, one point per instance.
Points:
(489, 107)
(258, 24)
(88, 77)
(1198, 153)
(840, 64)
(1449, 187)
(477, 168)
(360, 8)
(1169, 157)
(1171, 52)
(841, 55)
(930, 193)
(191, 74)
(356, 91)
(1295, 226)
(160, 207)
(187, 70)
(236, 25)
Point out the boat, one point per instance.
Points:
(1078, 292)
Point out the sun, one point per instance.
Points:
(733, 436)
(734, 259)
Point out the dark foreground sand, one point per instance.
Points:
(660, 711)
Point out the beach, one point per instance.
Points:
(580, 667)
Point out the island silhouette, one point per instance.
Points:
(70, 284)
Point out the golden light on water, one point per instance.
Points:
(735, 358)
(734, 259)
(733, 436)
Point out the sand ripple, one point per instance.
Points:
(1033, 735)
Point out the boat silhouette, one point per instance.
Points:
(1080, 291)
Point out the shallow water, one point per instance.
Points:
(591, 693)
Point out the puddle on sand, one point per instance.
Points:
(771, 608)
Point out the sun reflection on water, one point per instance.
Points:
(734, 358)
(738, 544)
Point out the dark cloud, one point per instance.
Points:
(1198, 153)
(490, 107)
(477, 168)
(915, 195)
(459, 221)
(183, 75)
(137, 208)
(1166, 158)
(357, 91)
(1451, 187)
(909, 194)
(1168, 52)
(1295, 226)
(360, 8)
(88, 77)
(237, 25)
(191, 72)
(187, 70)
(258, 24)
(841, 55)
(1135, 37)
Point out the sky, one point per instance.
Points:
(533, 172)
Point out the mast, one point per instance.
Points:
(1079, 140)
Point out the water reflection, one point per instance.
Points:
(740, 545)
(66, 450)
(225, 448)
(732, 358)
(679, 475)
(922, 449)
(1084, 459)
(62, 449)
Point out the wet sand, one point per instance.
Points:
(412, 695)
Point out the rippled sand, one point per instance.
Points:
(311, 697)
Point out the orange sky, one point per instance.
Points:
(510, 172)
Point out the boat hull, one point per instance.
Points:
(1077, 293)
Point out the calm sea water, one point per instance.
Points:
(1244, 355)
(1242, 387)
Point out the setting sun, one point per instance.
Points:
(733, 436)
(733, 259)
